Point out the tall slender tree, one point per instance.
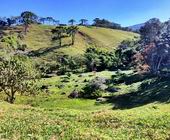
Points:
(28, 18)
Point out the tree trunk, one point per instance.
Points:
(12, 97)
(11, 100)
(60, 43)
(26, 28)
(73, 39)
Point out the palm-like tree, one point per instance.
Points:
(71, 22)
(83, 22)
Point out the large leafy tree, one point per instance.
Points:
(151, 31)
(17, 75)
(28, 18)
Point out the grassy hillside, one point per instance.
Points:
(107, 38)
(39, 38)
(54, 116)
(24, 122)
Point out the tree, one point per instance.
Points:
(105, 23)
(17, 75)
(125, 52)
(16, 19)
(56, 22)
(50, 19)
(150, 32)
(28, 18)
(154, 51)
(3, 21)
(42, 20)
(58, 34)
(83, 22)
(72, 32)
(96, 21)
(71, 22)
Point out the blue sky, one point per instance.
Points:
(125, 12)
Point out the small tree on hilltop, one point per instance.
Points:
(28, 18)
(17, 75)
(83, 22)
(71, 21)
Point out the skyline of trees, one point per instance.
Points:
(17, 20)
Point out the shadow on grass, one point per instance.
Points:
(155, 91)
(45, 51)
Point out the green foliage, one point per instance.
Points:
(17, 74)
(125, 53)
(47, 67)
(70, 64)
(28, 17)
(10, 41)
(61, 32)
(100, 60)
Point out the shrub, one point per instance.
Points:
(95, 88)
(99, 60)
(11, 41)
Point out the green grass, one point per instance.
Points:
(107, 39)
(38, 37)
(55, 116)
(55, 98)
(24, 122)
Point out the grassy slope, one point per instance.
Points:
(107, 38)
(39, 37)
(24, 122)
(54, 116)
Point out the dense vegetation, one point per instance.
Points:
(83, 81)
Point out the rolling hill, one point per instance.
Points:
(39, 38)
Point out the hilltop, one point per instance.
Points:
(39, 39)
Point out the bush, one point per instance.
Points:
(47, 67)
(95, 88)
